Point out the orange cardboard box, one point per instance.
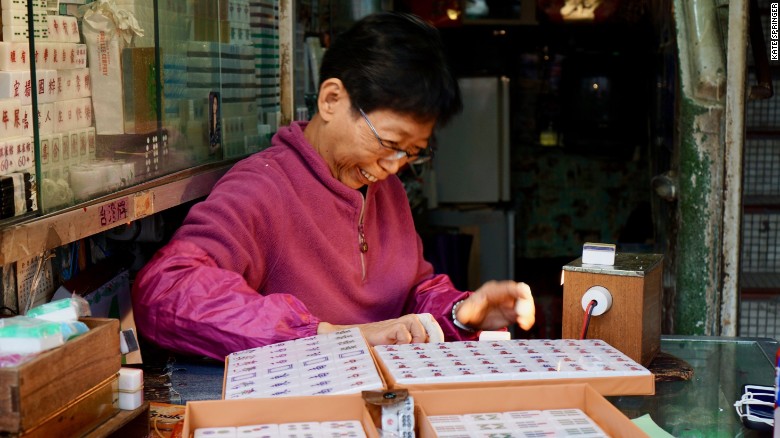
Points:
(543, 397)
(277, 410)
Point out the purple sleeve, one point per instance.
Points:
(435, 294)
(184, 302)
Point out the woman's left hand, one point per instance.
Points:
(497, 304)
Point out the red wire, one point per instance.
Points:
(586, 320)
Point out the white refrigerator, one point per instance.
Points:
(469, 185)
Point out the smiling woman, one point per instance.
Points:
(315, 233)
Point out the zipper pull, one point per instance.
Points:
(363, 243)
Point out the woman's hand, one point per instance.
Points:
(404, 330)
(498, 304)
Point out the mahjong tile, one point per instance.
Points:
(215, 432)
(342, 434)
(482, 417)
(298, 427)
(258, 431)
(581, 432)
(341, 425)
(444, 429)
(523, 415)
(445, 419)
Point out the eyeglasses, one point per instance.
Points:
(422, 155)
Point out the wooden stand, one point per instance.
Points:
(633, 323)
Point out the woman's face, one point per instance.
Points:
(360, 159)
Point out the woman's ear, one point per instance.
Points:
(332, 97)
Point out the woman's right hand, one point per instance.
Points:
(404, 330)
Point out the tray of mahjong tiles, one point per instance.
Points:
(534, 410)
(513, 362)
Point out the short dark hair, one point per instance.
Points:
(394, 61)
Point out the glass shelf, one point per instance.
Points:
(703, 406)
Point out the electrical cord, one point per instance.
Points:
(586, 322)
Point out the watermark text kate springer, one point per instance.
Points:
(773, 30)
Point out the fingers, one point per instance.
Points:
(525, 307)
(416, 329)
(404, 330)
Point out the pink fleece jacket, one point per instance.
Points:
(275, 249)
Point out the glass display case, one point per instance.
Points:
(140, 104)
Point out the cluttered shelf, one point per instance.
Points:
(30, 237)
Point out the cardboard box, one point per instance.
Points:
(484, 400)
(32, 392)
(277, 410)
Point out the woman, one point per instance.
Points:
(315, 233)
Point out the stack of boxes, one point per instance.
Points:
(17, 154)
(228, 48)
(63, 88)
(264, 27)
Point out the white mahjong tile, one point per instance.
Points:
(483, 417)
(308, 342)
(342, 434)
(495, 374)
(488, 427)
(215, 432)
(433, 354)
(536, 433)
(391, 356)
(258, 431)
(298, 427)
(285, 391)
(358, 385)
(319, 368)
(474, 353)
(523, 372)
(513, 360)
(341, 425)
(360, 371)
(353, 358)
(523, 415)
(565, 413)
(444, 429)
(459, 362)
(445, 419)
(438, 375)
(467, 344)
(442, 346)
(580, 432)
(494, 434)
(539, 423)
(409, 377)
(572, 421)
(379, 349)
(333, 374)
(455, 435)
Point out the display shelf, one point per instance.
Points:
(34, 236)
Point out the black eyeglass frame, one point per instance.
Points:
(421, 157)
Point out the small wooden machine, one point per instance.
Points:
(627, 312)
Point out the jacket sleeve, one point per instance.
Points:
(168, 296)
(435, 294)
